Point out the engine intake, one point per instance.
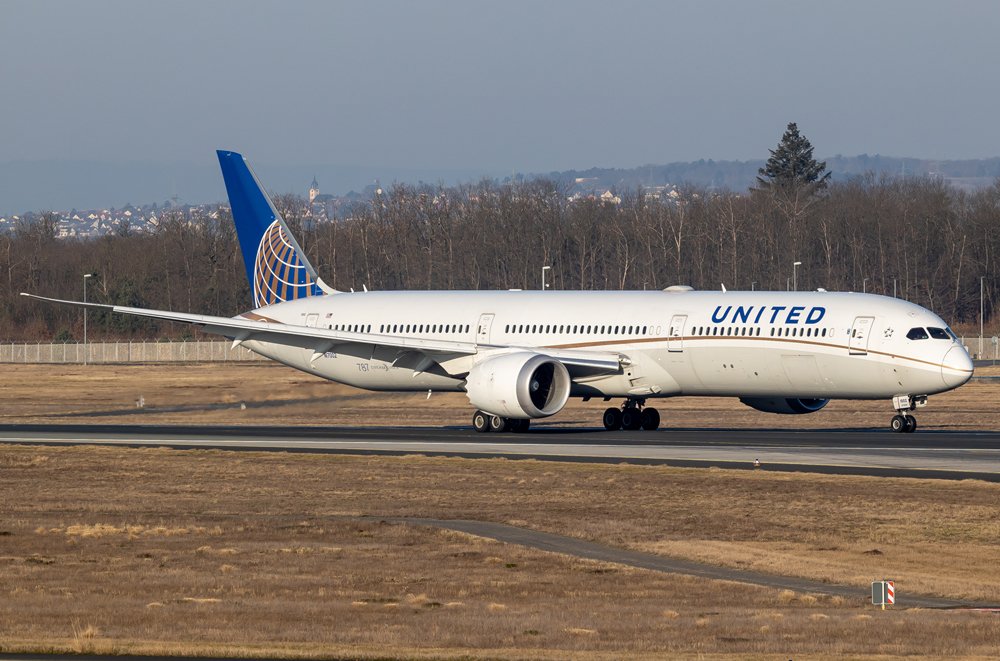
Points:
(519, 385)
(788, 406)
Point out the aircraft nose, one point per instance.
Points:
(956, 368)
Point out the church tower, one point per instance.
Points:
(313, 190)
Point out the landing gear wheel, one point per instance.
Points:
(898, 424)
(911, 425)
(518, 426)
(481, 421)
(612, 419)
(498, 424)
(631, 419)
(650, 419)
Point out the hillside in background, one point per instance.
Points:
(62, 186)
(968, 174)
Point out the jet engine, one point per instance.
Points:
(519, 385)
(789, 405)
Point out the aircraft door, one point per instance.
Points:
(483, 329)
(858, 342)
(311, 320)
(675, 334)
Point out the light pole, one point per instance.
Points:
(981, 278)
(753, 286)
(544, 269)
(86, 276)
(864, 286)
(894, 288)
(795, 273)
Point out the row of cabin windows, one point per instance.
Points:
(402, 328)
(575, 329)
(352, 328)
(754, 331)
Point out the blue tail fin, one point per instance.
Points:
(276, 266)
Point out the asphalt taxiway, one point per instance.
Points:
(925, 454)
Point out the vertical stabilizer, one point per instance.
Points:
(276, 266)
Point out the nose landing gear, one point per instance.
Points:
(632, 416)
(903, 422)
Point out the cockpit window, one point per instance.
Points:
(917, 334)
(938, 333)
(952, 334)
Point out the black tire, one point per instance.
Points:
(518, 426)
(650, 419)
(481, 421)
(898, 424)
(911, 425)
(612, 419)
(631, 419)
(498, 424)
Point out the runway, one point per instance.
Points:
(925, 454)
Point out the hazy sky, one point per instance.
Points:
(493, 86)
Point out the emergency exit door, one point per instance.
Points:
(483, 329)
(860, 330)
(675, 334)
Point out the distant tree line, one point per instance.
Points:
(918, 237)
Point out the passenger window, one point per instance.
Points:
(938, 333)
(916, 334)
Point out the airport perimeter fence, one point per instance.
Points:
(219, 352)
(125, 352)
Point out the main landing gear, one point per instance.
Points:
(484, 422)
(903, 422)
(632, 416)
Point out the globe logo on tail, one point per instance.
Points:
(279, 273)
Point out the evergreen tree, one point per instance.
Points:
(792, 166)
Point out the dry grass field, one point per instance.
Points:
(162, 551)
(273, 394)
(210, 552)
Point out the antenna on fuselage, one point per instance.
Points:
(724, 290)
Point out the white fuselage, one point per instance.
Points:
(745, 344)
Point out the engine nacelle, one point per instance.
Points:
(789, 405)
(519, 385)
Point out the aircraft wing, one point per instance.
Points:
(321, 340)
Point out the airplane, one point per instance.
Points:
(520, 355)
